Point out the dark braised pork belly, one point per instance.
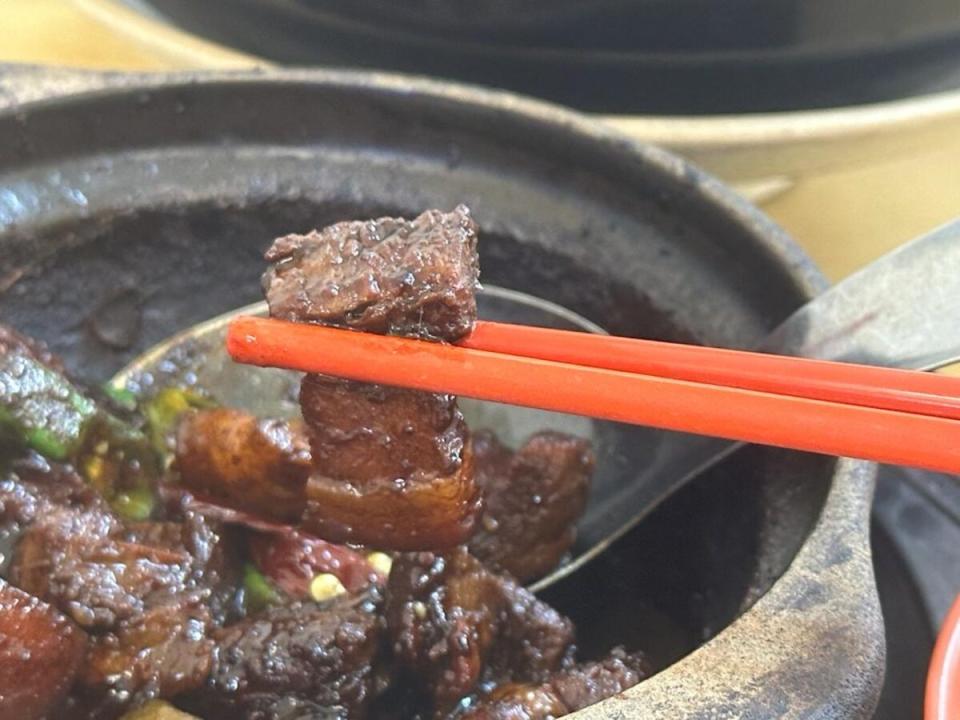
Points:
(35, 487)
(159, 653)
(138, 585)
(453, 625)
(103, 572)
(562, 692)
(299, 660)
(146, 593)
(41, 652)
(232, 457)
(391, 467)
(415, 278)
(532, 501)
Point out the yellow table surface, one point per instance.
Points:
(63, 32)
(58, 32)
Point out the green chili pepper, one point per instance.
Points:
(42, 410)
(119, 461)
(121, 397)
(258, 593)
(39, 406)
(135, 504)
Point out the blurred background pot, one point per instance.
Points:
(842, 120)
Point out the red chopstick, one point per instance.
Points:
(847, 383)
(833, 428)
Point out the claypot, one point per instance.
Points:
(147, 200)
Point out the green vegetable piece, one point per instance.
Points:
(42, 410)
(47, 443)
(119, 461)
(123, 398)
(39, 406)
(163, 411)
(136, 504)
(258, 593)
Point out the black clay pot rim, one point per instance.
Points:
(43, 87)
(822, 613)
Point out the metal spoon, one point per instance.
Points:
(900, 311)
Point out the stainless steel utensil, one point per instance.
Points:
(900, 311)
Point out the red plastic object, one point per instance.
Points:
(891, 389)
(942, 700)
(800, 423)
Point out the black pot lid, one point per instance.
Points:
(621, 56)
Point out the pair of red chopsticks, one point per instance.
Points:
(901, 417)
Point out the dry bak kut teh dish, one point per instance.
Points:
(165, 555)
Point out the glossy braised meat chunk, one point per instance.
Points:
(148, 593)
(563, 692)
(41, 653)
(301, 660)
(65, 558)
(372, 432)
(214, 551)
(144, 590)
(101, 573)
(388, 276)
(532, 501)
(235, 458)
(35, 487)
(392, 467)
(453, 624)
(159, 654)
